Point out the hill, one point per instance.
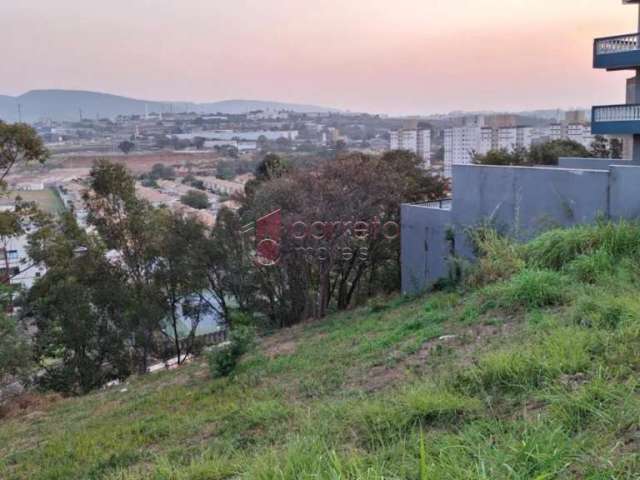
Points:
(527, 371)
(67, 104)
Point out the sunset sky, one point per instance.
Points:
(400, 57)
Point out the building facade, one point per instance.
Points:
(415, 141)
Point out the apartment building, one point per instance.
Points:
(581, 134)
(416, 141)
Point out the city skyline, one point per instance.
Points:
(415, 57)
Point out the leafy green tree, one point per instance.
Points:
(19, 143)
(502, 157)
(549, 153)
(162, 172)
(79, 306)
(198, 142)
(126, 146)
(616, 148)
(180, 277)
(15, 351)
(196, 199)
(128, 227)
(600, 147)
(540, 154)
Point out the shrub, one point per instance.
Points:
(499, 258)
(605, 311)
(224, 358)
(527, 290)
(591, 268)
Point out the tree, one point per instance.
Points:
(180, 277)
(160, 171)
(198, 142)
(600, 147)
(339, 267)
(128, 226)
(502, 157)
(616, 148)
(80, 307)
(19, 143)
(196, 199)
(548, 153)
(126, 146)
(539, 154)
(15, 352)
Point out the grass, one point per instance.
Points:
(48, 200)
(530, 374)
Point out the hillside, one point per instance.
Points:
(528, 371)
(66, 105)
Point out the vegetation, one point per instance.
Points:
(540, 154)
(126, 146)
(196, 199)
(527, 374)
(19, 144)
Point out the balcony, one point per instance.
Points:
(616, 120)
(621, 52)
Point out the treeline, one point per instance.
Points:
(135, 285)
(548, 153)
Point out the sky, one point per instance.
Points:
(378, 56)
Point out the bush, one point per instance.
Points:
(196, 199)
(605, 311)
(591, 268)
(530, 289)
(224, 358)
(499, 258)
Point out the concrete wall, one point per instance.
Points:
(519, 201)
(624, 192)
(424, 248)
(522, 201)
(590, 163)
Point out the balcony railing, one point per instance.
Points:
(616, 119)
(618, 44)
(440, 204)
(617, 113)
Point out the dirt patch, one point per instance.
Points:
(464, 342)
(381, 377)
(284, 342)
(29, 405)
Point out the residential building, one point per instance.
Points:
(581, 133)
(415, 141)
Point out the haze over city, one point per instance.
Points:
(406, 57)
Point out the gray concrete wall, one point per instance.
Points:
(624, 192)
(424, 247)
(519, 201)
(522, 201)
(590, 163)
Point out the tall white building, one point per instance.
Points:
(580, 133)
(461, 143)
(415, 141)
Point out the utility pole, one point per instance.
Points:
(19, 113)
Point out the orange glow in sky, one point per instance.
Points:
(401, 57)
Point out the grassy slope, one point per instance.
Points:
(539, 382)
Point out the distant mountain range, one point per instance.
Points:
(70, 104)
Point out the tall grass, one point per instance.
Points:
(557, 248)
